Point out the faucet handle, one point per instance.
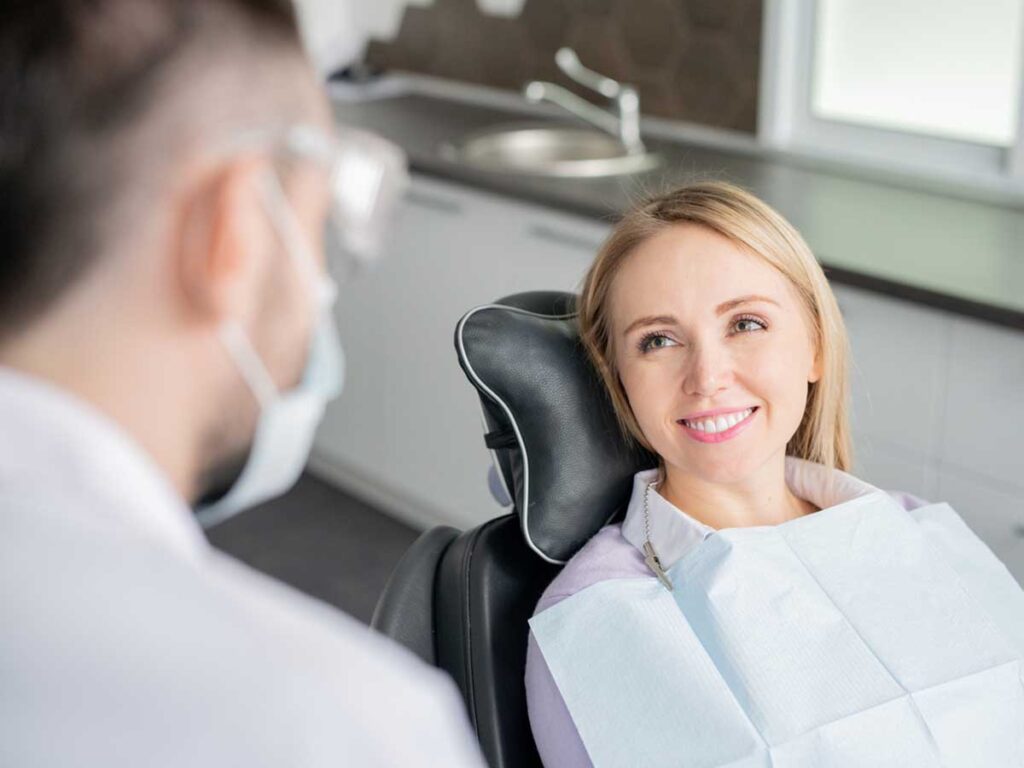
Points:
(569, 63)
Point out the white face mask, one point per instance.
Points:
(288, 420)
(367, 176)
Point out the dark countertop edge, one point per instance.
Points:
(990, 313)
(976, 310)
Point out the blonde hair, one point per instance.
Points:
(824, 432)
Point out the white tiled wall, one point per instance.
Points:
(336, 31)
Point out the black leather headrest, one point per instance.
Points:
(551, 423)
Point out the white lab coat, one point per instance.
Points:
(126, 640)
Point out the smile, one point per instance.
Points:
(718, 428)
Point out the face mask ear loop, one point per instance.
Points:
(286, 226)
(322, 287)
(248, 363)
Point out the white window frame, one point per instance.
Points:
(786, 122)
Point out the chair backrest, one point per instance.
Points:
(461, 603)
(405, 611)
(486, 590)
(556, 440)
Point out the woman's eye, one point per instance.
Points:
(655, 341)
(747, 324)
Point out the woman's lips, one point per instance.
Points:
(718, 437)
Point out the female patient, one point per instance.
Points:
(724, 353)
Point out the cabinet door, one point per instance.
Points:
(407, 431)
(893, 468)
(984, 413)
(994, 512)
(938, 411)
(899, 355)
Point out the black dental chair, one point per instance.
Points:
(461, 601)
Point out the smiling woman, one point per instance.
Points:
(793, 602)
(723, 349)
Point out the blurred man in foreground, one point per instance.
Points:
(166, 340)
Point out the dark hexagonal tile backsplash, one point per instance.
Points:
(694, 60)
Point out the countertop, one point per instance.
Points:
(942, 250)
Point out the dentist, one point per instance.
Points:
(167, 342)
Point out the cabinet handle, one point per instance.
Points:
(434, 202)
(560, 237)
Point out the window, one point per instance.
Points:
(930, 87)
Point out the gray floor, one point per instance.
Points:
(322, 541)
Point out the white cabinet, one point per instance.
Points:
(993, 511)
(938, 410)
(407, 432)
(898, 368)
(983, 422)
(892, 466)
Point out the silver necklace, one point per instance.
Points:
(650, 556)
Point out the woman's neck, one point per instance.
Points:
(760, 499)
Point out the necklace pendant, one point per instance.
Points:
(651, 558)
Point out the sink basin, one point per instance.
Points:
(566, 152)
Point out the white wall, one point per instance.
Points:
(336, 31)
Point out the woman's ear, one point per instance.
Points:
(816, 368)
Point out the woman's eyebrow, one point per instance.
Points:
(725, 306)
(650, 320)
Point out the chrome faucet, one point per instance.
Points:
(625, 125)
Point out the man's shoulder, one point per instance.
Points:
(346, 669)
(309, 633)
(231, 656)
(607, 555)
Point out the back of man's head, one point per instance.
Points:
(99, 100)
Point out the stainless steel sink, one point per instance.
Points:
(543, 150)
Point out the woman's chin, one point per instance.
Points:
(723, 466)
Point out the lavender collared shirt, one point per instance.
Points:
(615, 552)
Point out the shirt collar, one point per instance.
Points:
(60, 456)
(673, 533)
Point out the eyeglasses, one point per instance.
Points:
(368, 176)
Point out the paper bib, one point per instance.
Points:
(860, 635)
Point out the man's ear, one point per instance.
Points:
(220, 230)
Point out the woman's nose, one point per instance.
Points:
(708, 372)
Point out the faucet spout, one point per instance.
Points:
(538, 91)
(625, 123)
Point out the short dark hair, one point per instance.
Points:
(77, 80)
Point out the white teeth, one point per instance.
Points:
(722, 423)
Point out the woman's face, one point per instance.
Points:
(713, 350)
